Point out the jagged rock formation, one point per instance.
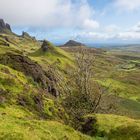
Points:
(27, 36)
(8, 26)
(73, 43)
(46, 45)
(4, 26)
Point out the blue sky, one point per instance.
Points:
(88, 21)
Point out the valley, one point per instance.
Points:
(39, 91)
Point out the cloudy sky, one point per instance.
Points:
(89, 21)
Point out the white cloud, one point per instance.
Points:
(110, 33)
(136, 28)
(48, 13)
(94, 36)
(132, 34)
(90, 24)
(128, 5)
(128, 36)
(112, 28)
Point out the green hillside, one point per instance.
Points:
(117, 127)
(52, 55)
(17, 124)
(22, 118)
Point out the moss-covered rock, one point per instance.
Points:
(25, 65)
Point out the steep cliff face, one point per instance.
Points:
(4, 26)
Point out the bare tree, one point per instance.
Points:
(86, 92)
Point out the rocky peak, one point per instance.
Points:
(73, 43)
(25, 34)
(8, 26)
(4, 26)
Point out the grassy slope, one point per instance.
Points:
(25, 45)
(12, 81)
(116, 127)
(32, 49)
(120, 82)
(54, 54)
(19, 122)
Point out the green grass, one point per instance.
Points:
(54, 54)
(131, 107)
(122, 89)
(17, 89)
(128, 94)
(18, 43)
(17, 124)
(4, 49)
(11, 80)
(116, 127)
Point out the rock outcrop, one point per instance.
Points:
(4, 26)
(27, 36)
(30, 68)
(46, 45)
(25, 65)
(8, 27)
